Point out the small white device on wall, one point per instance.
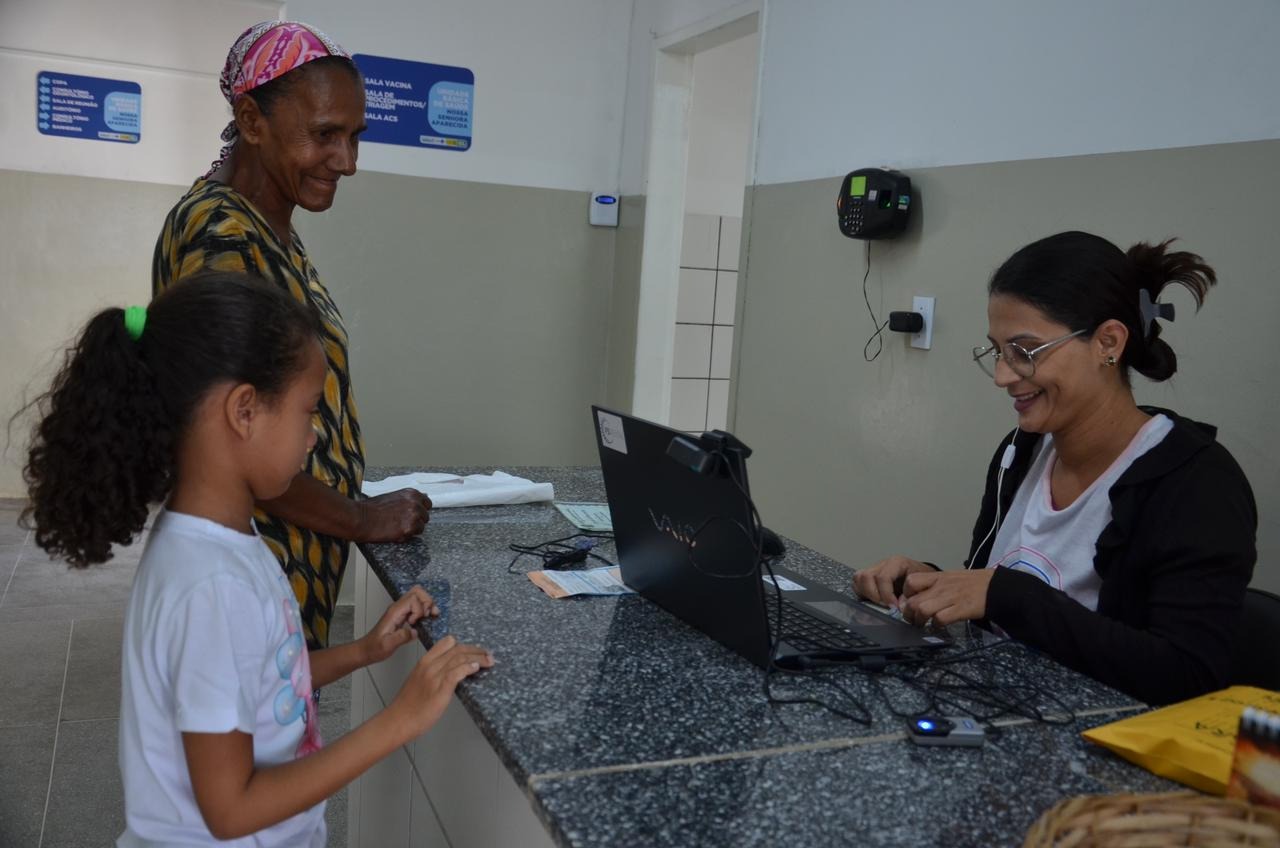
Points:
(604, 209)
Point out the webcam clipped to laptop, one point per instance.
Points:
(687, 540)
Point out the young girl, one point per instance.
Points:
(206, 398)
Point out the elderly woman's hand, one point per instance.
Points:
(393, 517)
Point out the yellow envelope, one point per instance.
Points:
(1191, 742)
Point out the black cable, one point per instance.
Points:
(691, 543)
(863, 715)
(878, 335)
(557, 554)
(944, 688)
(940, 687)
(934, 677)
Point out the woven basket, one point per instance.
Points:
(1154, 821)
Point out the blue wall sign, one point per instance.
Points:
(416, 103)
(88, 107)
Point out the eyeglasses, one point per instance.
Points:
(1017, 357)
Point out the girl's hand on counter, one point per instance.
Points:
(396, 627)
(430, 686)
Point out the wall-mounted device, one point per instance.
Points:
(604, 209)
(874, 203)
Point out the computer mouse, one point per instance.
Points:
(771, 543)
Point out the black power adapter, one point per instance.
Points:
(906, 322)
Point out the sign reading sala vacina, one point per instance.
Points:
(417, 104)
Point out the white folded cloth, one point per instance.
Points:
(446, 490)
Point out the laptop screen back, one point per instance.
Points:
(683, 538)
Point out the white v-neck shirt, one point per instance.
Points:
(1058, 546)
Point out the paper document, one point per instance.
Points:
(595, 581)
(592, 517)
(452, 490)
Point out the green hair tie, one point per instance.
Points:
(135, 320)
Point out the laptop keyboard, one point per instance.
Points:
(807, 632)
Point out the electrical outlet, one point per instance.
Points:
(924, 338)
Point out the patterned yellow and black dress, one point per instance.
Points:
(214, 227)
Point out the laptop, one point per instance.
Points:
(685, 539)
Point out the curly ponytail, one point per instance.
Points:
(1081, 280)
(105, 446)
(102, 450)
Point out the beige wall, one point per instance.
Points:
(69, 246)
(479, 314)
(864, 460)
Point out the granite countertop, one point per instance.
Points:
(626, 726)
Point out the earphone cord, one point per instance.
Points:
(1005, 462)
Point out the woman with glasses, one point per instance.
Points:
(1117, 538)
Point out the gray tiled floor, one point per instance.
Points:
(60, 696)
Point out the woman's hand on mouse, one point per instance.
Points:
(946, 596)
(880, 583)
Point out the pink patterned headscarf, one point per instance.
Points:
(265, 52)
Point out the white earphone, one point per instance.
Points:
(1006, 460)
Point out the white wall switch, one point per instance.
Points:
(924, 338)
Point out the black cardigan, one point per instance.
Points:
(1174, 561)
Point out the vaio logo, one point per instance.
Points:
(681, 532)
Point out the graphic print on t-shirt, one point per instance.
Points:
(1034, 563)
(294, 700)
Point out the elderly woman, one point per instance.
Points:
(1117, 538)
(297, 101)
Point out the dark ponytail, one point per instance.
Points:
(105, 446)
(1081, 280)
(1155, 267)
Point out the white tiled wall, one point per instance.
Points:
(697, 296)
(689, 404)
(693, 351)
(704, 322)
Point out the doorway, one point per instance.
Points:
(701, 139)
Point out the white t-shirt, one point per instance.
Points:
(212, 643)
(1059, 545)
